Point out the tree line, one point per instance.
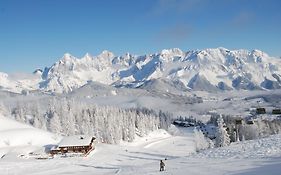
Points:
(107, 123)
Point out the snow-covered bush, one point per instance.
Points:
(222, 137)
(249, 132)
(201, 142)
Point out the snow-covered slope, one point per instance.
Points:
(17, 138)
(142, 156)
(209, 69)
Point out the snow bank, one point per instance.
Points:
(262, 148)
(25, 137)
(9, 124)
(20, 139)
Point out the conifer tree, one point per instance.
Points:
(222, 137)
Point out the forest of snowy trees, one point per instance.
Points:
(108, 124)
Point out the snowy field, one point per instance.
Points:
(139, 157)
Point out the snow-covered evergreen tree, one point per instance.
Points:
(3, 109)
(55, 122)
(222, 137)
(85, 126)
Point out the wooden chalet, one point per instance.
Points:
(75, 144)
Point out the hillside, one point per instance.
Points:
(17, 138)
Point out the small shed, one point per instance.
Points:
(75, 144)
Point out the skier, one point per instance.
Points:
(162, 165)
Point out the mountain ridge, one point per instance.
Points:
(208, 70)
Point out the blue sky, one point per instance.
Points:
(36, 33)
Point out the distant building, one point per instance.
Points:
(269, 110)
(276, 111)
(75, 144)
(260, 111)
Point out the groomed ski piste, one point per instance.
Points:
(139, 157)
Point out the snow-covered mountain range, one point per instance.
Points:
(207, 70)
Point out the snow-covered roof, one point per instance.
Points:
(76, 140)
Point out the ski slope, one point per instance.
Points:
(142, 156)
